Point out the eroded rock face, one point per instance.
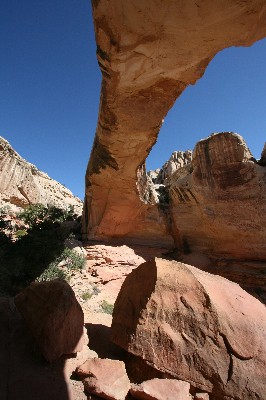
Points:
(21, 183)
(218, 204)
(54, 318)
(194, 326)
(149, 52)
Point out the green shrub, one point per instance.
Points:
(5, 222)
(33, 214)
(39, 250)
(86, 295)
(37, 213)
(52, 272)
(4, 211)
(20, 233)
(107, 308)
(74, 261)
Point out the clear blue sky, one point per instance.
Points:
(50, 84)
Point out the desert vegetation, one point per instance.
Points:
(32, 246)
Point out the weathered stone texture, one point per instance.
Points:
(21, 183)
(218, 205)
(149, 52)
(195, 327)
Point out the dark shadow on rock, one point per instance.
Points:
(138, 370)
(131, 301)
(100, 341)
(24, 373)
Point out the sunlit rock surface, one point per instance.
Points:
(149, 52)
(193, 326)
(218, 203)
(21, 183)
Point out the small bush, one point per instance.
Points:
(5, 222)
(35, 214)
(52, 272)
(74, 261)
(20, 233)
(86, 295)
(107, 308)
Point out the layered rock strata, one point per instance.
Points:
(149, 52)
(216, 207)
(218, 201)
(21, 183)
(193, 326)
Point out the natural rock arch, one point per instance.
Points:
(149, 52)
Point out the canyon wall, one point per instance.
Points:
(22, 184)
(149, 52)
(217, 201)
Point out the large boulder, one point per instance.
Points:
(194, 326)
(54, 317)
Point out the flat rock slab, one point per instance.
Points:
(161, 389)
(201, 396)
(105, 378)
